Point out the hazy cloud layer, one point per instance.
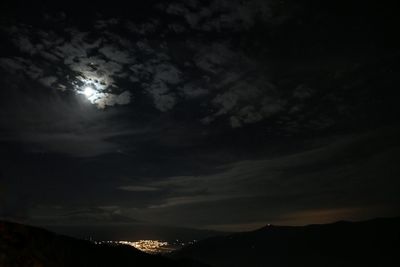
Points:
(331, 177)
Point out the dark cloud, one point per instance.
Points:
(102, 215)
(340, 175)
(14, 202)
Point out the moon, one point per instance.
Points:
(92, 93)
(88, 91)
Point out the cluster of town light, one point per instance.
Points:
(149, 246)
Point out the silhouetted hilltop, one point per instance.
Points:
(28, 246)
(370, 243)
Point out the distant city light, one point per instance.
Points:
(150, 246)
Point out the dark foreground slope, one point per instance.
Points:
(370, 243)
(27, 246)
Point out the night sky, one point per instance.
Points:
(218, 114)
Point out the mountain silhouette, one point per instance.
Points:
(26, 246)
(370, 243)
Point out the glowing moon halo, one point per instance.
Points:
(88, 91)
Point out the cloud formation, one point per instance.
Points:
(119, 66)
